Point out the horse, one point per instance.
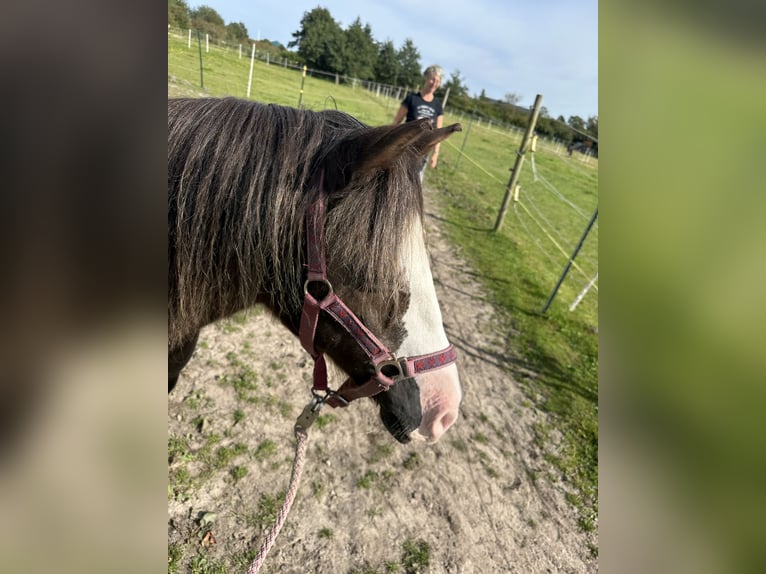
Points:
(319, 218)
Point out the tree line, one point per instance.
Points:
(322, 44)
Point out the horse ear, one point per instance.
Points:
(380, 148)
(429, 139)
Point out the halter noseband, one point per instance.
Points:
(388, 368)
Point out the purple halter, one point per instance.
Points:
(388, 368)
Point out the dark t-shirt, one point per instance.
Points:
(418, 108)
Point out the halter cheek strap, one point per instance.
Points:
(388, 369)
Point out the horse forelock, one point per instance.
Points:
(240, 178)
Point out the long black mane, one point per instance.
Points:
(240, 177)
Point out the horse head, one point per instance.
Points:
(378, 261)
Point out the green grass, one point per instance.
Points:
(518, 266)
(416, 555)
(368, 479)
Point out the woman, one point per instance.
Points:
(424, 105)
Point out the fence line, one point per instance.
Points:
(381, 89)
(547, 231)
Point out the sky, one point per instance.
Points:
(525, 47)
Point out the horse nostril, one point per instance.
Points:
(441, 424)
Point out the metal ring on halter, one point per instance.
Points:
(325, 282)
(394, 369)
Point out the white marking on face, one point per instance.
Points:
(440, 391)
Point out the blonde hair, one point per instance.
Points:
(436, 71)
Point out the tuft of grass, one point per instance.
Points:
(243, 379)
(324, 420)
(238, 472)
(239, 416)
(412, 461)
(325, 533)
(266, 449)
(380, 452)
(266, 514)
(175, 555)
(416, 556)
(459, 444)
(480, 438)
(368, 479)
(179, 450)
(317, 488)
(204, 564)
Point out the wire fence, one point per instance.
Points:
(542, 225)
(397, 93)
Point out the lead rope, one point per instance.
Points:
(305, 419)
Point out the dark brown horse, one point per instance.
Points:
(242, 177)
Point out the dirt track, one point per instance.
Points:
(482, 500)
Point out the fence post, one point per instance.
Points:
(189, 46)
(571, 258)
(303, 80)
(199, 43)
(250, 77)
(465, 139)
(446, 97)
(519, 161)
(583, 292)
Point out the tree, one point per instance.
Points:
(361, 52)
(592, 126)
(408, 59)
(456, 85)
(577, 123)
(236, 33)
(387, 66)
(320, 41)
(512, 98)
(178, 13)
(207, 20)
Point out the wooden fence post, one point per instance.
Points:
(303, 80)
(519, 161)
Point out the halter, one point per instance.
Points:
(389, 369)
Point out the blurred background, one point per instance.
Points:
(682, 315)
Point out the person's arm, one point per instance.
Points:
(435, 154)
(400, 114)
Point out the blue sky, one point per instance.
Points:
(527, 47)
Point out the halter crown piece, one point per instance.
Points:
(388, 368)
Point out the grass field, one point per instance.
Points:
(554, 356)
